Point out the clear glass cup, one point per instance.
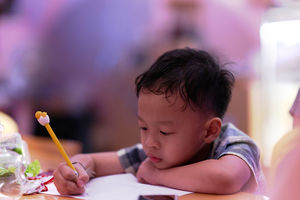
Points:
(11, 174)
(14, 142)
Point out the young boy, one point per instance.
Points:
(181, 101)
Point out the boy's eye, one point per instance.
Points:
(164, 133)
(143, 128)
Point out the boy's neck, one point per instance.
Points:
(203, 154)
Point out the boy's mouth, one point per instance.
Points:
(154, 159)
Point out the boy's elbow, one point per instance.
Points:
(229, 186)
(223, 183)
(227, 183)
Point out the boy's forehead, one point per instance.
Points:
(167, 111)
(163, 122)
(171, 102)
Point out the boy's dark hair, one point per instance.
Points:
(195, 75)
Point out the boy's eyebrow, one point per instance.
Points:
(166, 122)
(160, 122)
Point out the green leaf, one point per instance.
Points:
(7, 172)
(18, 150)
(33, 169)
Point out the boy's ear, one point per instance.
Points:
(212, 129)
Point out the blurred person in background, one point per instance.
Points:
(285, 179)
(17, 40)
(231, 30)
(23, 25)
(62, 57)
(78, 79)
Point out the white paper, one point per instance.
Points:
(116, 187)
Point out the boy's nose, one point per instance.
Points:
(152, 142)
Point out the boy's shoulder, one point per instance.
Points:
(230, 133)
(231, 129)
(231, 139)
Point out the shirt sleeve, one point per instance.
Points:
(131, 158)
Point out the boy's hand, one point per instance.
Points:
(146, 173)
(67, 182)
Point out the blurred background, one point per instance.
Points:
(77, 60)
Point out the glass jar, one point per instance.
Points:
(11, 167)
(14, 142)
(11, 174)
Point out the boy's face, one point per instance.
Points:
(170, 135)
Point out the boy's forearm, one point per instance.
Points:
(85, 160)
(204, 177)
(194, 178)
(104, 163)
(107, 163)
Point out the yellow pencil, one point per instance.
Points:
(44, 120)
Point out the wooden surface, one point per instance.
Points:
(193, 196)
(45, 197)
(237, 196)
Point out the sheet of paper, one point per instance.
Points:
(116, 187)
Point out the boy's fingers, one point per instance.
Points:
(68, 173)
(80, 183)
(141, 180)
(83, 177)
(65, 186)
(68, 187)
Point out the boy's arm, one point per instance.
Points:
(223, 176)
(104, 163)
